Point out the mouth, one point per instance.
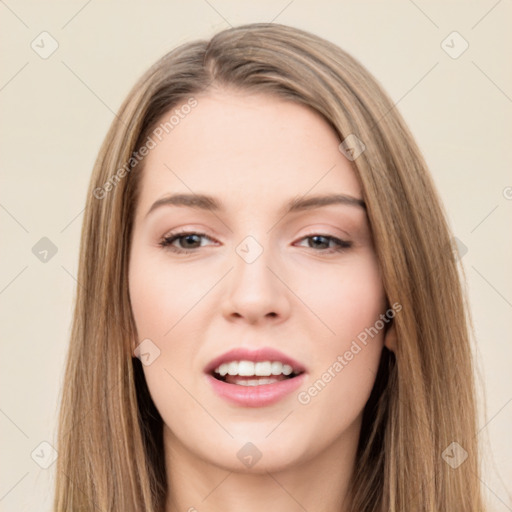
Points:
(250, 373)
(254, 378)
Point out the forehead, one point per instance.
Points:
(248, 149)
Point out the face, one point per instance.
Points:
(254, 318)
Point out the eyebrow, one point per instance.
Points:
(297, 204)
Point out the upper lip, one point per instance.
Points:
(260, 354)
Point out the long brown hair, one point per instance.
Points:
(111, 454)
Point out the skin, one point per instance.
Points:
(254, 153)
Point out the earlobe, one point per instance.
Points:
(390, 338)
(133, 346)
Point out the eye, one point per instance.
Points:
(191, 241)
(322, 240)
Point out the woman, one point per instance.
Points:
(269, 313)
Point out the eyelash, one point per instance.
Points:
(166, 242)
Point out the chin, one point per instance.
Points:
(259, 458)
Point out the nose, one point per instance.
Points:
(256, 290)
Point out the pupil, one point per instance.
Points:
(189, 237)
(317, 237)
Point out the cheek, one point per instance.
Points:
(346, 299)
(160, 301)
(160, 295)
(346, 359)
(166, 304)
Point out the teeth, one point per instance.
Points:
(287, 369)
(263, 369)
(259, 369)
(245, 368)
(256, 382)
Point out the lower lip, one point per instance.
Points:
(255, 396)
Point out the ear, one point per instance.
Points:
(390, 337)
(133, 346)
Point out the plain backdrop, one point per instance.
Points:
(55, 111)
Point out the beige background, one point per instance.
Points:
(55, 113)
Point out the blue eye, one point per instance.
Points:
(190, 241)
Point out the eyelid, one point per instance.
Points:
(202, 232)
(189, 231)
(313, 230)
(326, 230)
(341, 244)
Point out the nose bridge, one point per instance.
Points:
(254, 290)
(251, 271)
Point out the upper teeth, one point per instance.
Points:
(249, 368)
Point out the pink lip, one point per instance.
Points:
(261, 354)
(255, 396)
